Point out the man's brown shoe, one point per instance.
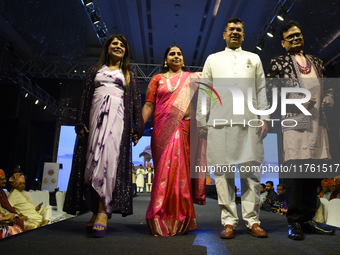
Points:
(228, 232)
(256, 231)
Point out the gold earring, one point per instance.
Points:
(165, 64)
(183, 65)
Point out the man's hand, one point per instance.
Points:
(326, 105)
(22, 217)
(269, 201)
(9, 217)
(38, 206)
(310, 104)
(81, 134)
(262, 131)
(202, 131)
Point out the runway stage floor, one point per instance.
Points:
(130, 235)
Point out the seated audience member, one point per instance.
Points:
(7, 224)
(20, 219)
(281, 193)
(263, 194)
(41, 216)
(281, 199)
(334, 185)
(8, 221)
(271, 197)
(284, 209)
(326, 191)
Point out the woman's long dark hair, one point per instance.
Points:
(166, 69)
(104, 57)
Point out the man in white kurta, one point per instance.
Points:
(140, 179)
(41, 215)
(232, 139)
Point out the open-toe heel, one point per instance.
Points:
(100, 232)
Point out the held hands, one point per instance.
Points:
(281, 211)
(202, 131)
(262, 131)
(310, 104)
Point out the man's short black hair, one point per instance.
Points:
(271, 183)
(281, 185)
(289, 25)
(234, 20)
(263, 186)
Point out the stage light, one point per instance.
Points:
(282, 15)
(271, 31)
(94, 18)
(101, 34)
(37, 101)
(45, 107)
(260, 46)
(26, 95)
(87, 2)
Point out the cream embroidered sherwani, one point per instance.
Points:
(236, 144)
(22, 204)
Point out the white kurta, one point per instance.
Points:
(244, 70)
(234, 144)
(140, 177)
(23, 205)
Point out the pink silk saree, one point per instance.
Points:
(171, 210)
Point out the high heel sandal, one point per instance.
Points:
(100, 232)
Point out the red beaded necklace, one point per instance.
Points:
(305, 69)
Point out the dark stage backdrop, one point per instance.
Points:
(23, 139)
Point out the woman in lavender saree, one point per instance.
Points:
(171, 210)
(101, 167)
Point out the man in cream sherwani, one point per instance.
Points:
(231, 140)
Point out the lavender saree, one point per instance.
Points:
(110, 113)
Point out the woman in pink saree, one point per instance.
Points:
(171, 210)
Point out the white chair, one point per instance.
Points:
(44, 197)
(32, 196)
(60, 199)
(324, 203)
(333, 217)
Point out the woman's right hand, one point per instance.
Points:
(82, 133)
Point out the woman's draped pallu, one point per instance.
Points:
(171, 209)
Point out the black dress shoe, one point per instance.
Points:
(313, 227)
(295, 231)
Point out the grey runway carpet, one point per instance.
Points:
(130, 235)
